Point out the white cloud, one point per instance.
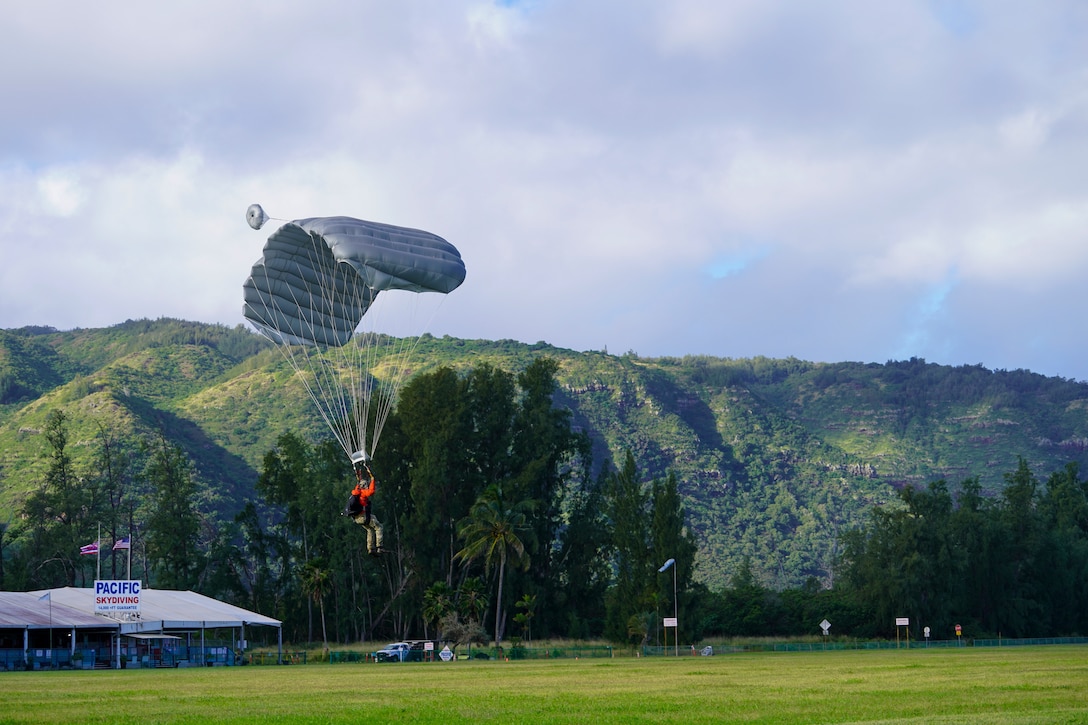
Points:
(60, 192)
(728, 178)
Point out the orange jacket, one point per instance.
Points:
(364, 494)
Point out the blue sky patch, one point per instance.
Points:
(732, 264)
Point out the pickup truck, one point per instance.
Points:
(414, 651)
(396, 652)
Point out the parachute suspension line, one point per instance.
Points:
(307, 364)
(343, 383)
(319, 367)
(311, 293)
(378, 394)
(402, 353)
(353, 400)
(359, 389)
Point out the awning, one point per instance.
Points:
(151, 635)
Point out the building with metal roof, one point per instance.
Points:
(156, 627)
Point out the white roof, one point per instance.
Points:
(28, 610)
(160, 609)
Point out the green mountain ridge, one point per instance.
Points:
(774, 457)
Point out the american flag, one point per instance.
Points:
(124, 543)
(89, 549)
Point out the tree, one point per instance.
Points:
(527, 604)
(548, 459)
(315, 582)
(978, 531)
(1020, 545)
(60, 516)
(459, 631)
(584, 563)
(907, 562)
(437, 603)
(672, 540)
(436, 440)
(259, 559)
(472, 599)
(631, 594)
(744, 608)
(495, 531)
(114, 475)
(290, 480)
(451, 437)
(1062, 573)
(173, 537)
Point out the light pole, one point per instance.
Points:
(676, 627)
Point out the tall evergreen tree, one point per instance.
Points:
(1063, 557)
(584, 557)
(436, 422)
(630, 600)
(312, 484)
(1021, 541)
(907, 561)
(672, 540)
(173, 536)
(115, 478)
(60, 517)
(976, 528)
(549, 460)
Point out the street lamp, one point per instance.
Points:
(676, 628)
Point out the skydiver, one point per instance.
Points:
(358, 508)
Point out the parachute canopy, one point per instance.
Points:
(319, 276)
(311, 292)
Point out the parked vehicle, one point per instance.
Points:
(396, 652)
(414, 651)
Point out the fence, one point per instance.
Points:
(338, 657)
(17, 659)
(833, 645)
(272, 658)
(35, 659)
(570, 652)
(1031, 641)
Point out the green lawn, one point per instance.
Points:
(991, 685)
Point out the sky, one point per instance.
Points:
(839, 180)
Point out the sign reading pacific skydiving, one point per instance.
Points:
(116, 596)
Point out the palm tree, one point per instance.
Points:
(471, 600)
(315, 582)
(528, 603)
(495, 530)
(437, 603)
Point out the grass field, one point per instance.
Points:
(991, 685)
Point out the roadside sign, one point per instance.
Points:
(902, 621)
(825, 626)
(428, 646)
(445, 654)
(670, 621)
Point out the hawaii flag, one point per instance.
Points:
(89, 549)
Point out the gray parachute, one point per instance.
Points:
(313, 294)
(319, 276)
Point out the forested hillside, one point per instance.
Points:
(774, 459)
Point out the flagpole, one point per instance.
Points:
(98, 554)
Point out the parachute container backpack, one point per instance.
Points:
(330, 292)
